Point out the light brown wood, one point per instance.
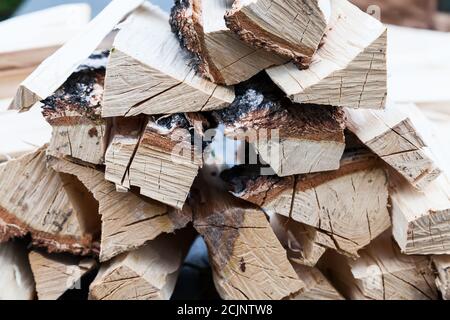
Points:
(56, 274)
(349, 204)
(220, 55)
(442, 266)
(348, 70)
(33, 200)
(16, 279)
(289, 28)
(128, 221)
(155, 77)
(149, 273)
(381, 273)
(55, 70)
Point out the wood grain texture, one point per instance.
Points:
(348, 73)
(442, 266)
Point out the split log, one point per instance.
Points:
(397, 136)
(349, 69)
(149, 273)
(55, 70)
(247, 259)
(74, 112)
(381, 273)
(16, 279)
(220, 55)
(155, 77)
(349, 204)
(317, 285)
(289, 28)
(442, 266)
(34, 200)
(56, 274)
(282, 132)
(128, 221)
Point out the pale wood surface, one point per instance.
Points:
(442, 266)
(55, 70)
(349, 73)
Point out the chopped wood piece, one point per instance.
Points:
(349, 69)
(149, 273)
(16, 279)
(33, 200)
(289, 28)
(317, 286)
(56, 274)
(282, 132)
(74, 113)
(381, 273)
(166, 162)
(395, 135)
(220, 55)
(442, 266)
(155, 77)
(349, 205)
(128, 221)
(54, 71)
(247, 259)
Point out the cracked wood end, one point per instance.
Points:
(74, 111)
(128, 220)
(34, 200)
(149, 273)
(282, 132)
(54, 71)
(442, 266)
(349, 204)
(56, 274)
(381, 273)
(396, 136)
(16, 280)
(290, 28)
(155, 77)
(349, 69)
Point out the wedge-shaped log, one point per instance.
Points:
(220, 55)
(289, 28)
(348, 70)
(74, 113)
(55, 70)
(149, 273)
(442, 266)
(155, 77)
(350, 204)
(381, 273)
(56, 274)
(397, 136)
(35, 200)
(282, 132)
(16, 278)
(128, 221)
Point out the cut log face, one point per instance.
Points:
(16, 279)
(395, 135)
(34, 201)
(54, 71)
(128, 221)
(282, 132)
(381, 273)
(74, 113)
(442, 266)
(289, 28)
(220, 55)
(155, 77)
(149, 273)
(56, 274)
(317, 285)
(323, 200)
(349, 69)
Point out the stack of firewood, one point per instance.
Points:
(332, 190)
